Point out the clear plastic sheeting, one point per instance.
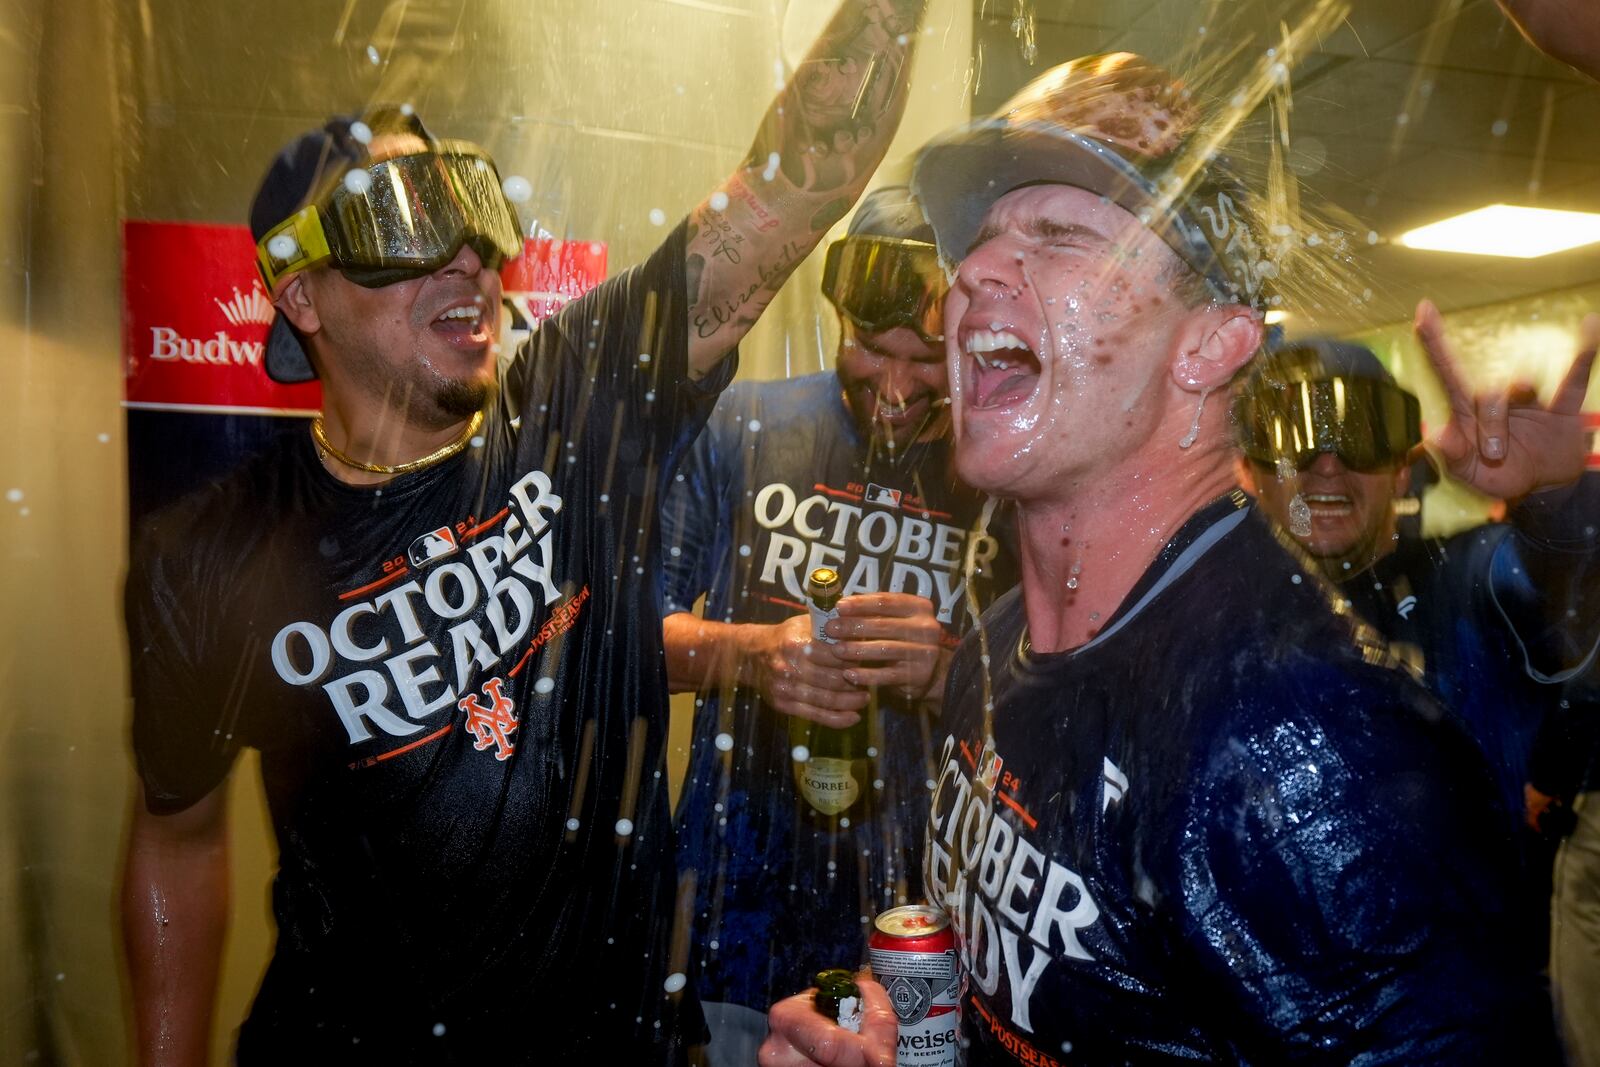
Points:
(133, 135)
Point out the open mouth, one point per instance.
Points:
(463, 324)
(1004, 370)
(1327, 505)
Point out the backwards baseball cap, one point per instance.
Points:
(325, 200)
(885, 271)
(1116, 125)
(1320, 395)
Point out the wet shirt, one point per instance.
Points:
(1496, 618)
(454, 682)
(1222, 831)
(781, 483)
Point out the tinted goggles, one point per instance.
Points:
(399, 218)
(1368, 423)
(879, 283)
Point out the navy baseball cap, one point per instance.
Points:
(1116, 125)
(301, 169)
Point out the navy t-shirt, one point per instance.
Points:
(1496, 618)
(455, 683)
(779, 483)
(1227, 829)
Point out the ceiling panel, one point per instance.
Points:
(1405, 113)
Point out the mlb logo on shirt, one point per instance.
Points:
(989, 764)
(431, 546)
(878, 494)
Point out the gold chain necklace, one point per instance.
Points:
(443, 452)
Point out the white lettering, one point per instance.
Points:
(914, 539)
(1022, 982)
(469, 650)
(345, 645)
(371, 707)
(398, 600)
(468, 586)
(1068, 921)
(764, 514)
(784, 553)
(539, 573)
(802, 521)
(316, 641)
(410, 681)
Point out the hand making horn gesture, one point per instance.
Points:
(1504, 442)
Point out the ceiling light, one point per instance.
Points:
(1506, 230)
(1275, 316)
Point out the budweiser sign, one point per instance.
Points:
(195, 315)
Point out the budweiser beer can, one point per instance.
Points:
(913, 953)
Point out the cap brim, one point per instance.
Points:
(960, 175)
(286, 359)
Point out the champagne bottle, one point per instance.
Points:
(832, 768)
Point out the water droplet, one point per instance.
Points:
(675, 981)
(744, 550)
(724, 742)
(800, 753)
(104, 438)
(572, 824)
(755, 425)
(477, 441)
(14, 495)
(372, 56)
(544, 685)
(644, 357)
(438, 1029)
(1296, 579)
(361, 132)
(518, 189)
(719, 201)
(283, 246)
(1500, 127)
(624, 827)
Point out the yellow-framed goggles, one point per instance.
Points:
(879, 283)
(398, 218)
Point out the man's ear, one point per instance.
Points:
(1402, 480)
(1213, 345)
(1245, 473)
(294, 301)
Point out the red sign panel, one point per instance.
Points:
(195, 314)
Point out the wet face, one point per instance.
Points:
(895, 383)
(1351, 513)
(426, 345)
(1060, 329)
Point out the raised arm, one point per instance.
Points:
(1507, 443)
(174, 919)
(824, 135)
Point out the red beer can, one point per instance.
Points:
(913, 953)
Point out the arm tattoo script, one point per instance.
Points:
(820, 141)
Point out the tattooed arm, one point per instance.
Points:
(821, 140)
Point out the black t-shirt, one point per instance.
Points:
(779, 483)
(455, 683)
(1224, 830)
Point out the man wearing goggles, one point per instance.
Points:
(1330, 417)
(1163, 824)
(849, 468)
(1496, 617)
(434, 614)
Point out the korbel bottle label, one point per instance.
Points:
(828, 784)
